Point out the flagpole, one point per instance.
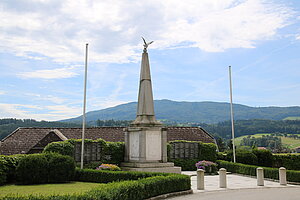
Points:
(231, 113)
(84, 106)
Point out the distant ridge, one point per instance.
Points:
(201, 112)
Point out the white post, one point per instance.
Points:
(200, 179)
(231, 113)
(84, 105)
(260, 176)
(222, 178)
(282, 176)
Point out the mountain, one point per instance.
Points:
(203, 112)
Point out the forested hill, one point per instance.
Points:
(7, 126)
(199, 112)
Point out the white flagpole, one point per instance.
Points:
(231, 112)
(84, 106)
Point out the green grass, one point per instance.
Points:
(286, 141)
(47, 189)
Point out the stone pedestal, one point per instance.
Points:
(146, 150)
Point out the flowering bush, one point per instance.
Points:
(207, 166)
(109, 167)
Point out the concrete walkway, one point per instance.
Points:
(240, 187)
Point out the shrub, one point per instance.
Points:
(64, 148)
(108, 167)
(32, 169)
(185, 164)
(12, 162)
(289, 161)
(3, 171)
(116, 152)
(272, 173)
(264, 157)
(207, 151)
(102, 176)
(243, 156)
(208, 166)
(60, 168)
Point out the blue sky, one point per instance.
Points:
(42, 46)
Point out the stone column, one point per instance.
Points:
(260, 176)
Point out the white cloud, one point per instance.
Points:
(49, 74)
(21, 111)
(50, 98)
(2, 92)
(59, 29)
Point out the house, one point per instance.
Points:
(33, 140)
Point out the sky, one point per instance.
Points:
(42, 53)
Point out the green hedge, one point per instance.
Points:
(32, 169)
(3, 171)
(45, 168)
(154, 184)
(264, 158)
(207, 151)
(272, 173)
(185, 164)
(116, 150)
(102, 176)
(289, 161)
(63, 147)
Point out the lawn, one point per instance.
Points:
(286, 141)
(47, 189)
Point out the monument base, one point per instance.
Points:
(167, 167)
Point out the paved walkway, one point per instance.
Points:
(240, 187)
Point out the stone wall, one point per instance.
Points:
(184, 150)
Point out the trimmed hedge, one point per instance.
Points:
(32, 169)
(289, 161)
(207, 151)
(272, 173)
(185, 164)
(116, 150)
(63, 148)
(8, 166)
(45, 168)
(102, 176)
(143, 188)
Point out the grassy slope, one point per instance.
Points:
(47, 189)
(286, 141)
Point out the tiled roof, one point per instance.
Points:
(24, 139)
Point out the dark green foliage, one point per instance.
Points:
(289, 161)
(268, 141)
(3, 171)
(32, 169)
(243, 156)
(116, 151)
(64, 148)
(185, 164)
(272, 173)
(45, 168)
(207, 151)
(60, 168)
(11, 164)
(102, 176)
(264, 157)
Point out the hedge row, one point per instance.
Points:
(45, 168)
(8, 166)
(272, 173)
(103, 176)
(125, 190)
(263, 158)
(36, 168)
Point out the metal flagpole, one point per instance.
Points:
(231, 112)
(84, 105)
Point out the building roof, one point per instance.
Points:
(22, 140)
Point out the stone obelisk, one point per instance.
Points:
(146, 138)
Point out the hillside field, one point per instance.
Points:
(286, 141)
